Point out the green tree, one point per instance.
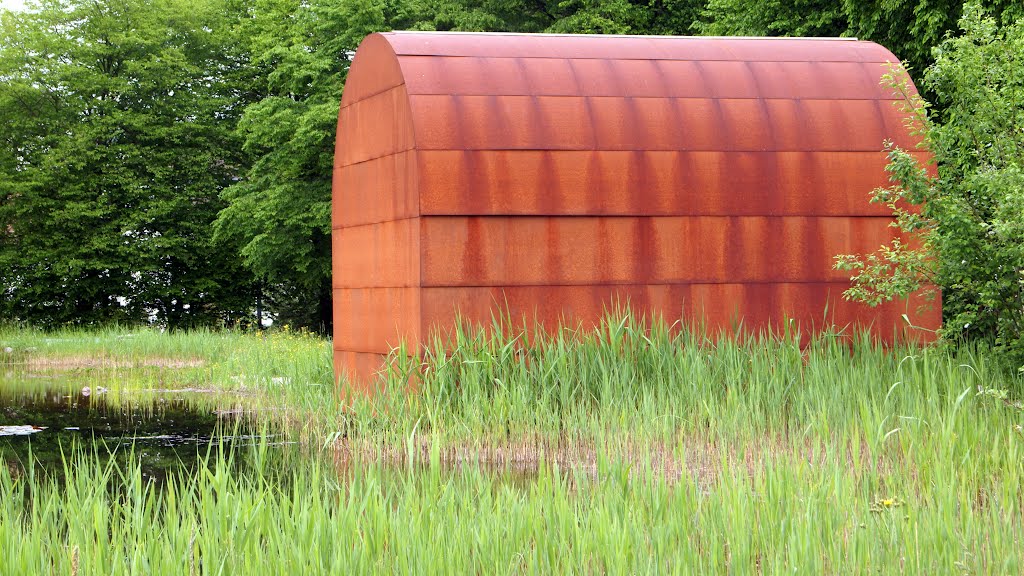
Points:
(971, 217)
(279, 211)
(556, 16)
(116, 147)
(772, 18)
(477, 15)
(911, 28)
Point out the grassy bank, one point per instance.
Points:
(630, 449)
(282, 372)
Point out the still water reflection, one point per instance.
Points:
(165, 433)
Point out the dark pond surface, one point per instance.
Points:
(164, 434)
(46, 422)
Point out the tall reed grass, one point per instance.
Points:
(792, 516)
(647, 449)
(631, 379)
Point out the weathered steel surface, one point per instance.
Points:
(377, 126)
(636, 47)
(454, 122)
(388, 254)
(376, 319)
(471, 76)
(520, 250)
(358, 368)
(378, 71)
(387, 190)
(550, 176)
(624, 183)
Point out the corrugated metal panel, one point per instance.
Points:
(530, 182)
(508, 251)
(469, 76)
(447, 122)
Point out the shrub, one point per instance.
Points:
(966, 215)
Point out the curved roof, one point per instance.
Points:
(768, 120)
(628, 92)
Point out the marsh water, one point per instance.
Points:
(169, 422)
(45, 419)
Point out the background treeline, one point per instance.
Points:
(173, 157)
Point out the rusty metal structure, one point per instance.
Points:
(547, 176)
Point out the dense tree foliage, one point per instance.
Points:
(280, 211)
(773, 18)
(909, 28)
(554, 16)
(971, 224)
(117, 142)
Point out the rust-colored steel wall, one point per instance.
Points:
(554, 176)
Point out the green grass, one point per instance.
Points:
(632, 449)
(791, 516)
(286, 373)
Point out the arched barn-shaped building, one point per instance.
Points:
(550, 175)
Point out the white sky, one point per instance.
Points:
(12, 4)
